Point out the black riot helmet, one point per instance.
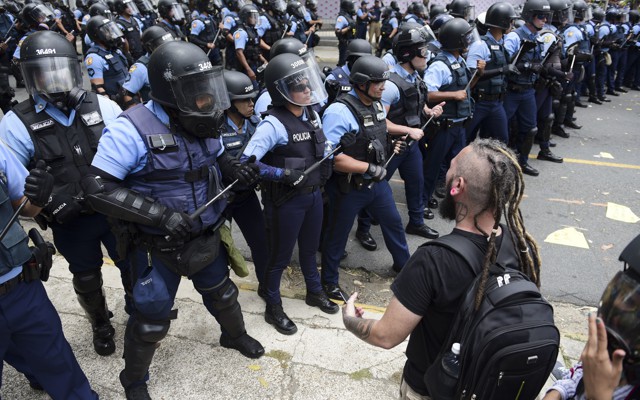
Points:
(598, 14)
(290, 80)
(235, 5)
(294, 46)
(561, 12)
(417, 9)
(612, 14)
(171, 10)
(457, 35)
(440, 20)
(105, 31)
(278, 7)
(247, 13)
(100, 9)
(386, 12)
(122, 5)
(182, 78)
(462, 9)
(296, 9)
(500, 15)
(356, 49)
(311, 4)
(435, 11)
(50, 68)
(394, 5)
(239, 86)
(145, 6)
(35, 14)
(13, 7)
(619, 308)
(581, 10)
(366, 70)
(215, 5)
(348, 6)
(634, 16)
(154, 36)
(533, 8)
(410, 43)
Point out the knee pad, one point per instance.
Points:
(87, 282)
(224, 295)
(549, 119)
(567, 98)
(533, 132)
(555, 104)
(149, 331)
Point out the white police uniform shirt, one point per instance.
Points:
(15, 135)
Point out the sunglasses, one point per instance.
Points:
(300, 87)
(542, 16)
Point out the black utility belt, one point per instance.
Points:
(519, 87)
(449, 123)
(307, 189)
(488, 97)
(7, 286)
(160, 242)
(347, 182)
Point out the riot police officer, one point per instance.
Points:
(577, 34)
(388, 30)
(172, 16)
(488, 93)
(416, 13)
(136, 86)
(106, 65)
(358, 179)
(288, 141)
(338, 80)
(275, 15)
(345, 28)
(31, 330)
(239, 125)
(205, 32)
(66, 135)
(632, 74)
(520, 100)
(131, 27)
(247, 43)
(36, 17)
(6, 29)
(298, 27)
(462, 9)
(602, 40)
(65, 20)
(148, 14)
(448, 79)
(171, 138)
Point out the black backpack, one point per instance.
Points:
(510, 345)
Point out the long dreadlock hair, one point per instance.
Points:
(505, 189)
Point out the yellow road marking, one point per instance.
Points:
(596, 163)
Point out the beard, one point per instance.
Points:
(447, 208)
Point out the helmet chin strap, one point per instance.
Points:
(365, 93)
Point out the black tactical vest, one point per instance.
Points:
(351, 33)
(373, 143)
(275, 32)
(459, 78)
(132, 34)
(499, 58)
(386, 28)
(68, 21)
(67, 150)
(209, 32)
(15, 246)
(233, 140)
(412, 99)
(117, 73)
(252, 47)
(305, 145)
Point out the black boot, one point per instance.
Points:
(274, 315)
(88, 288)
(138, 354)
(245, 344)
(547, 155)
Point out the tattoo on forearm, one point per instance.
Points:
(461, 211)
(359, 326)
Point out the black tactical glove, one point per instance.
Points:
(348, 139)
(569, 76)
(536, 67)
(376, 172)
(176, 224)
(38, 185)
(510, 69)
(247, 173)
(400, 146)
(63, 207)
(42, 254)
(295, 178)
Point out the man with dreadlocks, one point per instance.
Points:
(484, 184)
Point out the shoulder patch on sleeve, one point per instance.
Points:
(89, 60)
(133, 68)
(194, 25)
(237, 35)
(91, 72)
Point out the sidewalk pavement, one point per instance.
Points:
(321, 361)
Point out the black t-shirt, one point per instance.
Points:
(431, 284)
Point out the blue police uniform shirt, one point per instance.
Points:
(197, 26)
(438, 74)
(571, 35)
(636, 32)
(512, 41)
(16, 53)
(391, 93)
(240, 39)
(338, 120)
(389, 59)
(590, 30)
(96, 65)
(121, 150)
(77, 14)
(263, 25)
(16, 174)
(88, 41)
(604, 31)
(294, 26)
(138, 78)
(344, 68)
(359, 14)
(195, 14)
(85, 19)
(224, 12)
(480, 51)
(307, 16)
(394, 23)
(341, 22)
(270, 133)
(412, 19)
(229, 21)
(15, 135)
(262, 103)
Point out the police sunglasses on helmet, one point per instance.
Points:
(542, 16)
(300, 87)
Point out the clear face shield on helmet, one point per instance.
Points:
(302, 87)
(201, 93)
(176, 13)
(51, 78)
(619, 309)
(133, 8)
(42, 14)
(144, 6)
(471, 37)
(278, 6)
(427, 34)
(563, 16)
(110, 32)
(309, 57)
(252, 17)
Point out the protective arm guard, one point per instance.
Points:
(490, 73)
(122, 203)
(550, 71)
(195, 40)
